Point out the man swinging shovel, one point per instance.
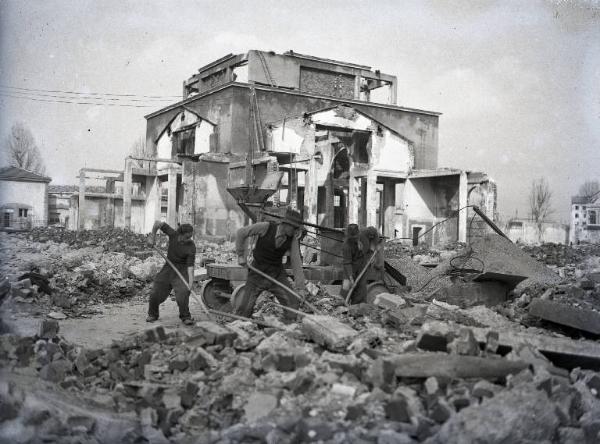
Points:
(274, 241)
(181, 254)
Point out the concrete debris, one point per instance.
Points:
(486, 371)
(468, 294)
(585, 320)
(520, 415)
(563, 352)
(441, 365)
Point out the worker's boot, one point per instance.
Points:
(151, 318)
(188, 321)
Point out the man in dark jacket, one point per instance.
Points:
(357, 249)
(181, 253)
(273, 243)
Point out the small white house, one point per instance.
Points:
(23, 199)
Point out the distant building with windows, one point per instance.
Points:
(23, 199)
(585, 219)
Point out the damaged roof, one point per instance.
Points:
(21, 175)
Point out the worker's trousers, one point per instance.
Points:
(256, 284)
(165, 281)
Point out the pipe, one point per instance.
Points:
(487, 220)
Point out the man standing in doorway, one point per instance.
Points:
(274, 241)
(182, 254)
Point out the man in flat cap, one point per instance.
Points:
(273, 243)
(182, 254)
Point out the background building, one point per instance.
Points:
(23, 199)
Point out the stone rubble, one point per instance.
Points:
(410, 370)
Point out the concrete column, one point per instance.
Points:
(462, 202)
(152, 204)
(372, 202)
(353, 198)
(127, 183)
(172, 198)
(310, 193)
(293, 187)
(81, 216)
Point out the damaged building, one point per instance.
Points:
(343, 150)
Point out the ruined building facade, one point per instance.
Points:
(585, 219)
(346, 151)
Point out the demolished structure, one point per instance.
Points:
(585, 219)
(346, 153)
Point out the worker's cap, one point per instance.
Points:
(293, 218)
(185, 228)
(352, 231)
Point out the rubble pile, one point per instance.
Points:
(402, 369)
(424, 382)
(97, 267)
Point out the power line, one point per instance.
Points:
(115, 99)
(90, 94)
(77, 103)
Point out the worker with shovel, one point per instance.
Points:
(361, 250)
(181, 253)
(274, 241)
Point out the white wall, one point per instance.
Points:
(391, 153)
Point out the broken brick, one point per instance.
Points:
(179, 363)
(441, 411)
(216, 334)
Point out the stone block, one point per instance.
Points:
(216, 334)
(347, 363)
(581, 319)
(586, 354)
(355, 412)
(188, 394)
(201, 359)
(328, 331)
(389, 301)
(491, 341)
(443, 365)
(484, 389)
(397, 410)
(56, 371)
(441, 411)
(432, 385)
(49, 329)
(259, 405)
(469, 294)
(178, 362)
(464, 344)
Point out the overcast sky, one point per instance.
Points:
(518, 82)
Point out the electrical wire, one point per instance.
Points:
(88, 93)
(77, 103)
(85, 97)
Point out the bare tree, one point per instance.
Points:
(539, 203)
(139, 149)
(22, 149)
(589, 188)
